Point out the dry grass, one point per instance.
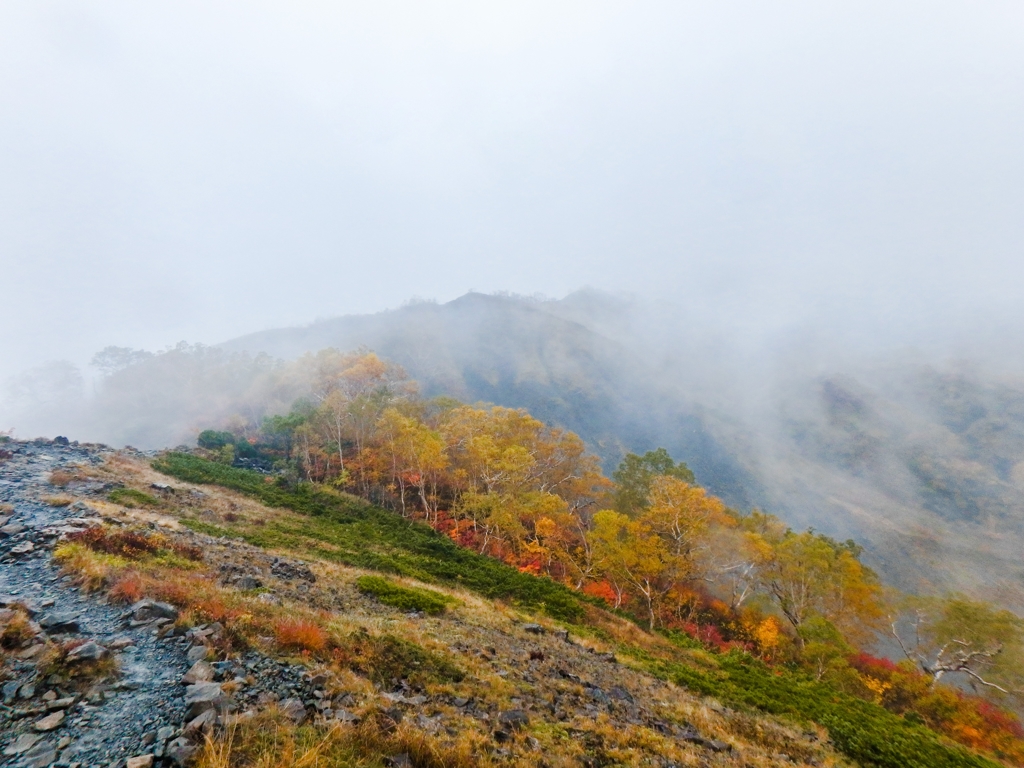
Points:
(61, 478)
(79, 674)
(58, 501)
(15, 628)
(301, 635)
(271, 741)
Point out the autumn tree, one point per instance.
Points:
(635, 475)
(959, 636)
(810, 575)
(634, 556)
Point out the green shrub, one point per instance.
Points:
(863, 731)
(386, 659)
(404, 598)
(129, 497)
(213, 440)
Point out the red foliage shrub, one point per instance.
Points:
(131, 545)
(301, 635)
(127, 589)
(601, 589)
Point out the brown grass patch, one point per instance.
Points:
(61, 479)
(15, 628)
(269, 740)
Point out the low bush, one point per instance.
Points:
(863, 731)
(404, 598)
(15, 628)
(129, 497)
(301, 635)
(387, 660)
(60, 478)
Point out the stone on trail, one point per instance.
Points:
(60, 622)
(141, 761)
(40, 756)
(200, 672)
(203, 696)
(51, 721)
(22, 744)
(90, 651)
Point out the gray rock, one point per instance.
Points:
(39, 756)
(90, 651)
(200, 672)
(399, 761)
(197, 653)
(11, 529)
(65, 621)
(203, 696)
(22, 744)
(23, 549)
(294, 709)
(514, 719)
(534, 629)
(50, 722)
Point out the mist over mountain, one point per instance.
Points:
(923, 461)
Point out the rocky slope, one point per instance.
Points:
(92, 682)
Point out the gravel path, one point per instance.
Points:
(109, 723)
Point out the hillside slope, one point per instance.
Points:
(298, 654)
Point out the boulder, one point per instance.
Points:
(203, 696)
(22, 744)
(40, 756)
(294, 709)
(200, 672)
(140, 761)
(514, 719)
(65, 621)
(90, 651)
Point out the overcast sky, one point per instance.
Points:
(197, 170)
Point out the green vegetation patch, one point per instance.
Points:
(404, 598)
(387, 659)
(359, 534)
(859, 729)
(129, 497)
